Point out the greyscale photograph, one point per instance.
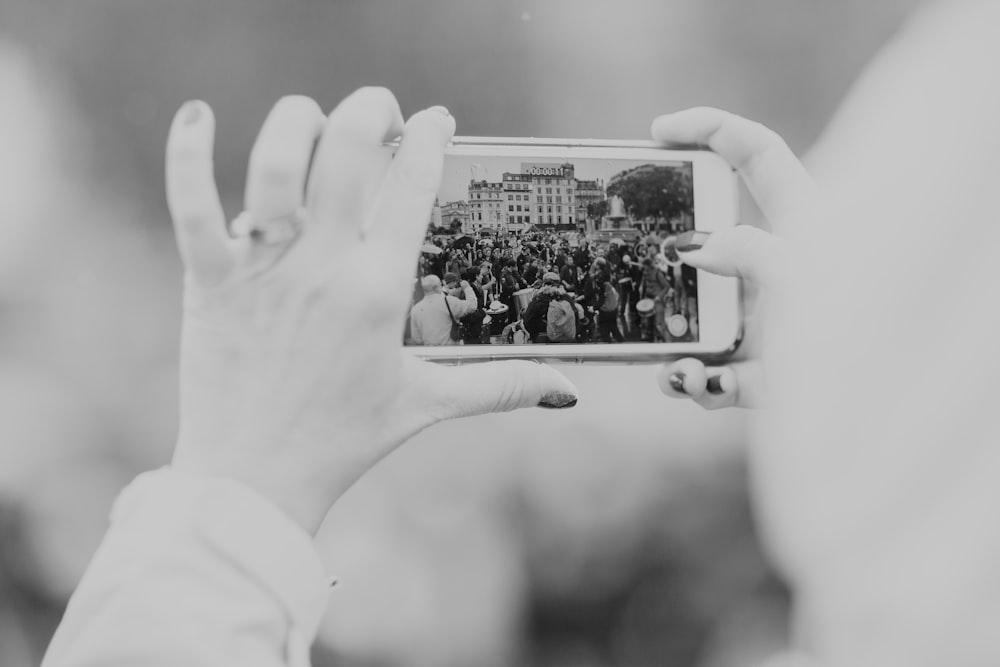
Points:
(550, 251)
(270, 397)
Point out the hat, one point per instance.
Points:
(551, 278)
(451, 278)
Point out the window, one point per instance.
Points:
(559, 219)
(548, 191)
(548, 181)
(540, 209)
(558, 209)
(550, 209)
(548, 200)
(558, 199)
(510, 197)
(518, 207)
(510, 207)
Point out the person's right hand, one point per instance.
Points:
(293, 377)
(788, 198)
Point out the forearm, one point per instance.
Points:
(194, 571)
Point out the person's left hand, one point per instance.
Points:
(293, 377)
(788, 199)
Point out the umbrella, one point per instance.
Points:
(618, 241)
(431, 249)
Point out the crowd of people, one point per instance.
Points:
(556, 287)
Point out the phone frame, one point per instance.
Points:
(721, 307)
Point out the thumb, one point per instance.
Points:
(742, 251)
(500, 386)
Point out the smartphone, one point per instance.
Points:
(564, 249)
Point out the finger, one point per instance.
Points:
(402, 214)
(351, 162)
(279, 161)
(685, 378)
(743, 251)
(737, 385)
(777, 180)
(199, 221)
(500, 386)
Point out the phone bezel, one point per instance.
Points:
(720, 298)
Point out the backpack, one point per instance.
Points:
(560, 324)
(610, 299)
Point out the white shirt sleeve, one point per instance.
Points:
(195, 571)
(460, 307)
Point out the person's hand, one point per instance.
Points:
(787, 197)
(293, 378)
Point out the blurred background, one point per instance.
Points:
(615, 533)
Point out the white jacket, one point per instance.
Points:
(194, 571)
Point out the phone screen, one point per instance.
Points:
(554, 250)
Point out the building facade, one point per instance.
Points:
(589, 199)
(517, 202)
(542, 195)
(456, 211)
(487, 206)
(553, 189)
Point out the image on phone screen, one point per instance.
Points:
(556, 252)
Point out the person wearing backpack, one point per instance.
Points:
(607, 303)
(551, 315)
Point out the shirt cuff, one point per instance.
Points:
(239, 526)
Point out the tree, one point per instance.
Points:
(655, 191)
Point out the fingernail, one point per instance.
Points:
(441, 110)
(192, 112)
(676, 381)
(558, 399)
(714, 385)
(689, 241)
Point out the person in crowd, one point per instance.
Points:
(485, 282)
(432, 317)
(472, 321)
(582, 257)
(533, 271)
(606, 301)
(567, 274)
(510, 281)
(656, 285)
(536, 315)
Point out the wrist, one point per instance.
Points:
(302, 499)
